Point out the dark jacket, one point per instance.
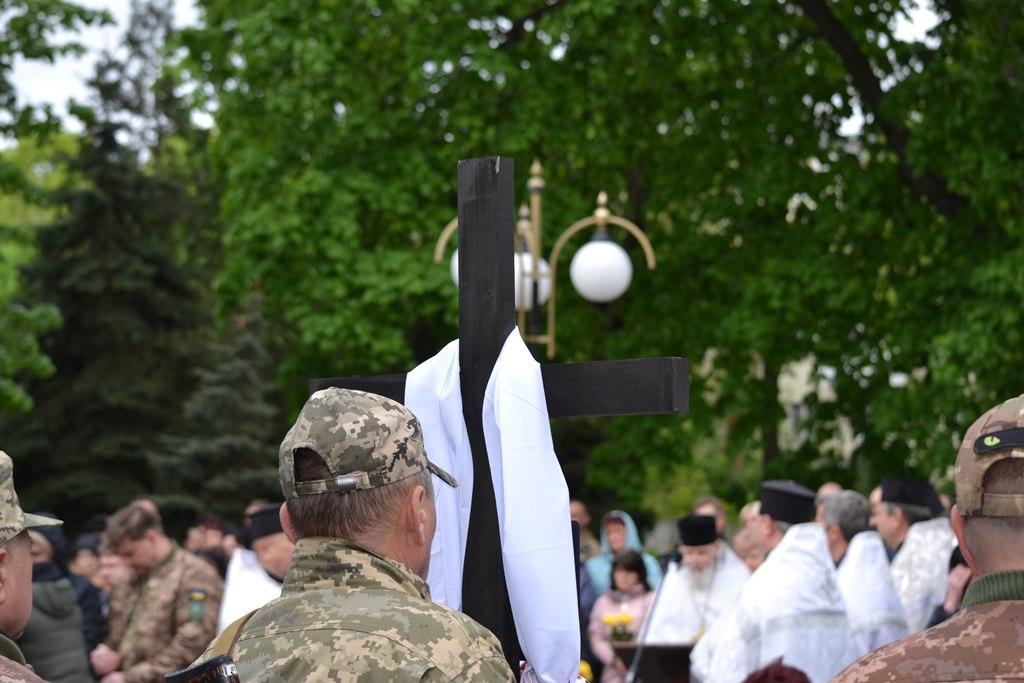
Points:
(53, 643)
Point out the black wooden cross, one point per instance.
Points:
(486, 317)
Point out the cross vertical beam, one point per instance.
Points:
(486, 317)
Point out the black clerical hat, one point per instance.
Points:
(916, 494)
(787, 501)
(697, 530)
(266, 521)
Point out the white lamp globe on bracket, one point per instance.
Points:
(453, 267)
(601, 270)
(523, 266)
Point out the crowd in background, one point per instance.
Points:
(619, 581)
(100, 596)
(78, 626)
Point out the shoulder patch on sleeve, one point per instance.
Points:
(196, 604)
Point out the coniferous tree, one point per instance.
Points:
(229, 453)
(129, 306)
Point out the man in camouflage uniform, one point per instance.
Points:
(984, 641)
(15, 576)
(165, 616)
(355, 606)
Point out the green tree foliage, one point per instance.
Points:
(229, 454)
(718, 127)
(22, 210)
(123, 352)
(29, 30)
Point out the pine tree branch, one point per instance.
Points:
(869, 87)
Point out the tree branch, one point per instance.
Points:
(928, 185)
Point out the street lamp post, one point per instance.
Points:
(600, 270)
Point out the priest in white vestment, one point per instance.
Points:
(872, 606)
(920, 570)
(791, 606)
(697, 591)
(254, 577)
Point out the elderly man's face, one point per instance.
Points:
(699, 558)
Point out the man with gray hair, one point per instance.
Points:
(355, 606)
(872, 605)
(844, 515)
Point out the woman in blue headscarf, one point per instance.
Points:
(618, 533)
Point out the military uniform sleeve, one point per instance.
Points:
(119, 606)
(197, 605)
(486, 669)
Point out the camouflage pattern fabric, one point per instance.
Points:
(980, 643)
(365, 440)
(13, 520)
(990, 439)
(349, 614)
(12, 664)
(160, 622)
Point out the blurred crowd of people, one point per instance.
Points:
(819, 577)
(124, 602)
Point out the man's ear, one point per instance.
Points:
(959, 524)
(286, 523)
(416, 513)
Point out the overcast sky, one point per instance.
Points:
(54, 84)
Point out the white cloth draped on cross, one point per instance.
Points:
(530, 493)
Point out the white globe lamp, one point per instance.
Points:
(601, 270)
(523, 266)
(453, 267)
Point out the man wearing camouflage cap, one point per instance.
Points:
(15, 575)
(984, 640)
(355, 605)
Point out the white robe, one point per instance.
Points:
(530, 493)
(683, 612)
(872, 605)
(920, 570)
(247, 587)
(790, 608)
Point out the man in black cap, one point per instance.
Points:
(700, 589)
(898, 504)
(910, 519)
(791, 606)
(254, 576)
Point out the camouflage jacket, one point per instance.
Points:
(160, 622)
(983, 642)
(12, 664)
(348, 614)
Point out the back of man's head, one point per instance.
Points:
(997, 543)
(988, 518)
(354, 467)
(847, 510)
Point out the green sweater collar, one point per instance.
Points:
(10, 649)
(995, 587)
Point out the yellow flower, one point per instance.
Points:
(585, 670)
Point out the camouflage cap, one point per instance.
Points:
(996, 435)
(14, 520)
(365, 440)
